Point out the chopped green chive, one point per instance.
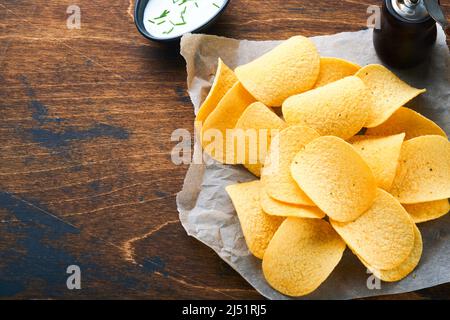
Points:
(163, 14)
(196, 4)
(178, 23)
(161, 22)
(168, 31)
(151, 21)
(216, 5)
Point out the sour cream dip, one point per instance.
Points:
(165, 19)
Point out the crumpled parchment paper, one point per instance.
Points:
(207, 213)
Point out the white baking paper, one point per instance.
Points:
(206, 211)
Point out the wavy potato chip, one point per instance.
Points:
(426, 211)
(290, 68)
(388, 92)
(257, 226)
(223, 81)
(260, 123)
(301, 255)
(423, 173)
(381, 154)
(333, 69)
(276, 175)
(405, 120)
(406, 267)
(223, 117)
(383, 236)
(335, 177)
(282, 209)
(339, 108)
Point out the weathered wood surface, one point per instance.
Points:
(85, 170)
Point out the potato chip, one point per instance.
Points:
(282, 209)
(339, 108)
(405, 120)
(335, 177)
(301, 255)
(288, 69)
(383, 236)
(406, 267)
(381, 154)
(254, 168)
(263, 123)
(224, 116)
(333, 69)
(257, 226)
(423, 173)
(276, 175)
(223, 81)
(426, 211)
(388, 91)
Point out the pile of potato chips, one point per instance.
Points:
(345, 165)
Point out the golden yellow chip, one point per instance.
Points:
(383, 236)
(333, 69)
(257, 226)
(406, 267)
(405, 120)
(335, 177)
(223, 81)
(301, 255)
(381, 154)
(276, 175)
(224, 116)
(426, 211)
(388, 92)
(258, 124)
(282, 209)
(288, 69)
(339, 108)
(423, 173)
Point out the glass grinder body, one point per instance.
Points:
(407, 32)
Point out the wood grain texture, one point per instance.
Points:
(85, 171)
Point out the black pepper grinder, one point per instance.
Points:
(407, 32)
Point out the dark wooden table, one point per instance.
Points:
(86, 176)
